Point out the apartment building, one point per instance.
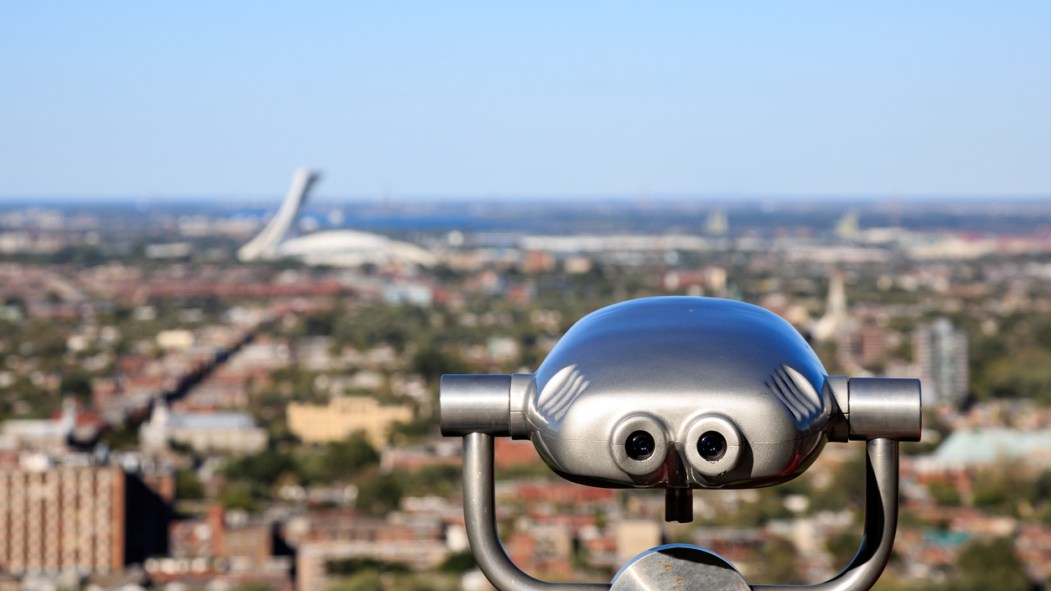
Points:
(62, 519)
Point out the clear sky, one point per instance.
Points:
(537, 98)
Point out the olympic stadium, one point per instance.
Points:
(337, 248)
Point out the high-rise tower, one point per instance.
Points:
(265, 244)
(941, 352)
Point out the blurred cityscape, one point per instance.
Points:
(231, 396)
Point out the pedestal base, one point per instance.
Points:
(678, 567)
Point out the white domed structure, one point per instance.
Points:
(338, 248)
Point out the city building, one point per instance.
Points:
(717, 223)
(543, 548)
(836, 319)
(863, 346)
(343, 416)
(320, 538)
(940, 350)
(970, 448)
(635, 536)
(228, 541)
(40, 434)
(58, 519)
(232, 432)
(220, 549)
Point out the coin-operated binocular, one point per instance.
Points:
(680, 393)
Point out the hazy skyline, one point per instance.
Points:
(472, 99)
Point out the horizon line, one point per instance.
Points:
(523, 198)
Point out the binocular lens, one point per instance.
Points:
(639, 445)
(712, 446)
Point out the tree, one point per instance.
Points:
(458, 562)
(338, 461)
(1016, 361)
(991, 565)
(380, 495)
(124, 436)
(1001, 487)
(356, 564)
(240, 495)
(779, 563)
(848, 488)
(1040, 491)
(433, 480)
(263, 468)
(431, 362)
(944, 493)
(187, 485)
(414, 430)
(343, 460)
(843, 546)
(255, 586)
(368, 580)
(76, 383)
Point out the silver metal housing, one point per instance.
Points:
(680, 367)
(681, 370)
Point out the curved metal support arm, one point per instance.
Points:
(881, 521)
(480, 516)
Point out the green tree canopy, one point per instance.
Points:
(343, 460)
(986, 565)
(261, 468)
(380, 495)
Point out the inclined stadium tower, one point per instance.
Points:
(338, 248)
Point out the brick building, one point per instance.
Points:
(62, 519)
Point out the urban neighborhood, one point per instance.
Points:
(220, 398)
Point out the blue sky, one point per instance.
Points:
(899, 98)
